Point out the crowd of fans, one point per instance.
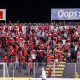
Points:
(38, 42)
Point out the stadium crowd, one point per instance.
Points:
(38, 42)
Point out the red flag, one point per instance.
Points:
(1, 14)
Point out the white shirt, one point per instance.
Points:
(65, 27)
(64, 41)
(10, 27)
(43, 74)
(24, 29)
(43, 34)
(76, 48)
(65, 35)
(52, 27)
(33, 56)
(76, 33)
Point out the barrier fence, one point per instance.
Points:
(34, 70)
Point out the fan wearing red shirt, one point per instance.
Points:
(5, 59)
(13, 53)
(49, 59)
(79, 43)
(68, 40)
(58, 39)
(59, 55)
(16, 48)
(7, 42)
(6, 29)
(55, 34)
(11, 40)
(74, 37)
(50, 35)
(69, 31)
(56, 57)
(25, 53)
(20, 28)
(23, 60)
(67, 47)
(46, 28)
(30, 60)
(31, 67)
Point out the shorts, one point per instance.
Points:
(56, 60)
(78, 57)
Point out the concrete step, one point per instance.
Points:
(56, 65)
(57, 69)
(57, 75)
(56, 72)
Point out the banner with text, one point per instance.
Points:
(65, 14)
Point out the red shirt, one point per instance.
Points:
(74, 36)
(30, 60)
(13, 53)
(69, 31)
(69, 40)
(66, 47)
(56, 56)
(20, 28)
(79, 42)
(23, 60)
(41, 54)
(49, 35)
(31, 66)
(17, 48)
(7, 42)
(5, 59)
(59, 38)
(55, 34)
(25, 53)
(6, 29)
(46, 28)
(59, 56)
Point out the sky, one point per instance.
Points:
(34, 10)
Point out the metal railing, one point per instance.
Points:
(34, 70)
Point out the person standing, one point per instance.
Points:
(49, 73)
(43, 74)
(78, 56)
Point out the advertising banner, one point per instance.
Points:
(2, 14)
(65, 14)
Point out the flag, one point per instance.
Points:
(2, 14)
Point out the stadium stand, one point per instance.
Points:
(40, 43)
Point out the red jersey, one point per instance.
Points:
(5, 59)
(6, 29)
(68, 40)
(69, 31)
(55, 34)
(23, 60)
(41, 54)
(46, 28)
(74, 36)
(49, 35)
(31, 66)
(79, 42)
(55, 56)
(24, 53)
(59, 38)
(30, 60)
(66, 47)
